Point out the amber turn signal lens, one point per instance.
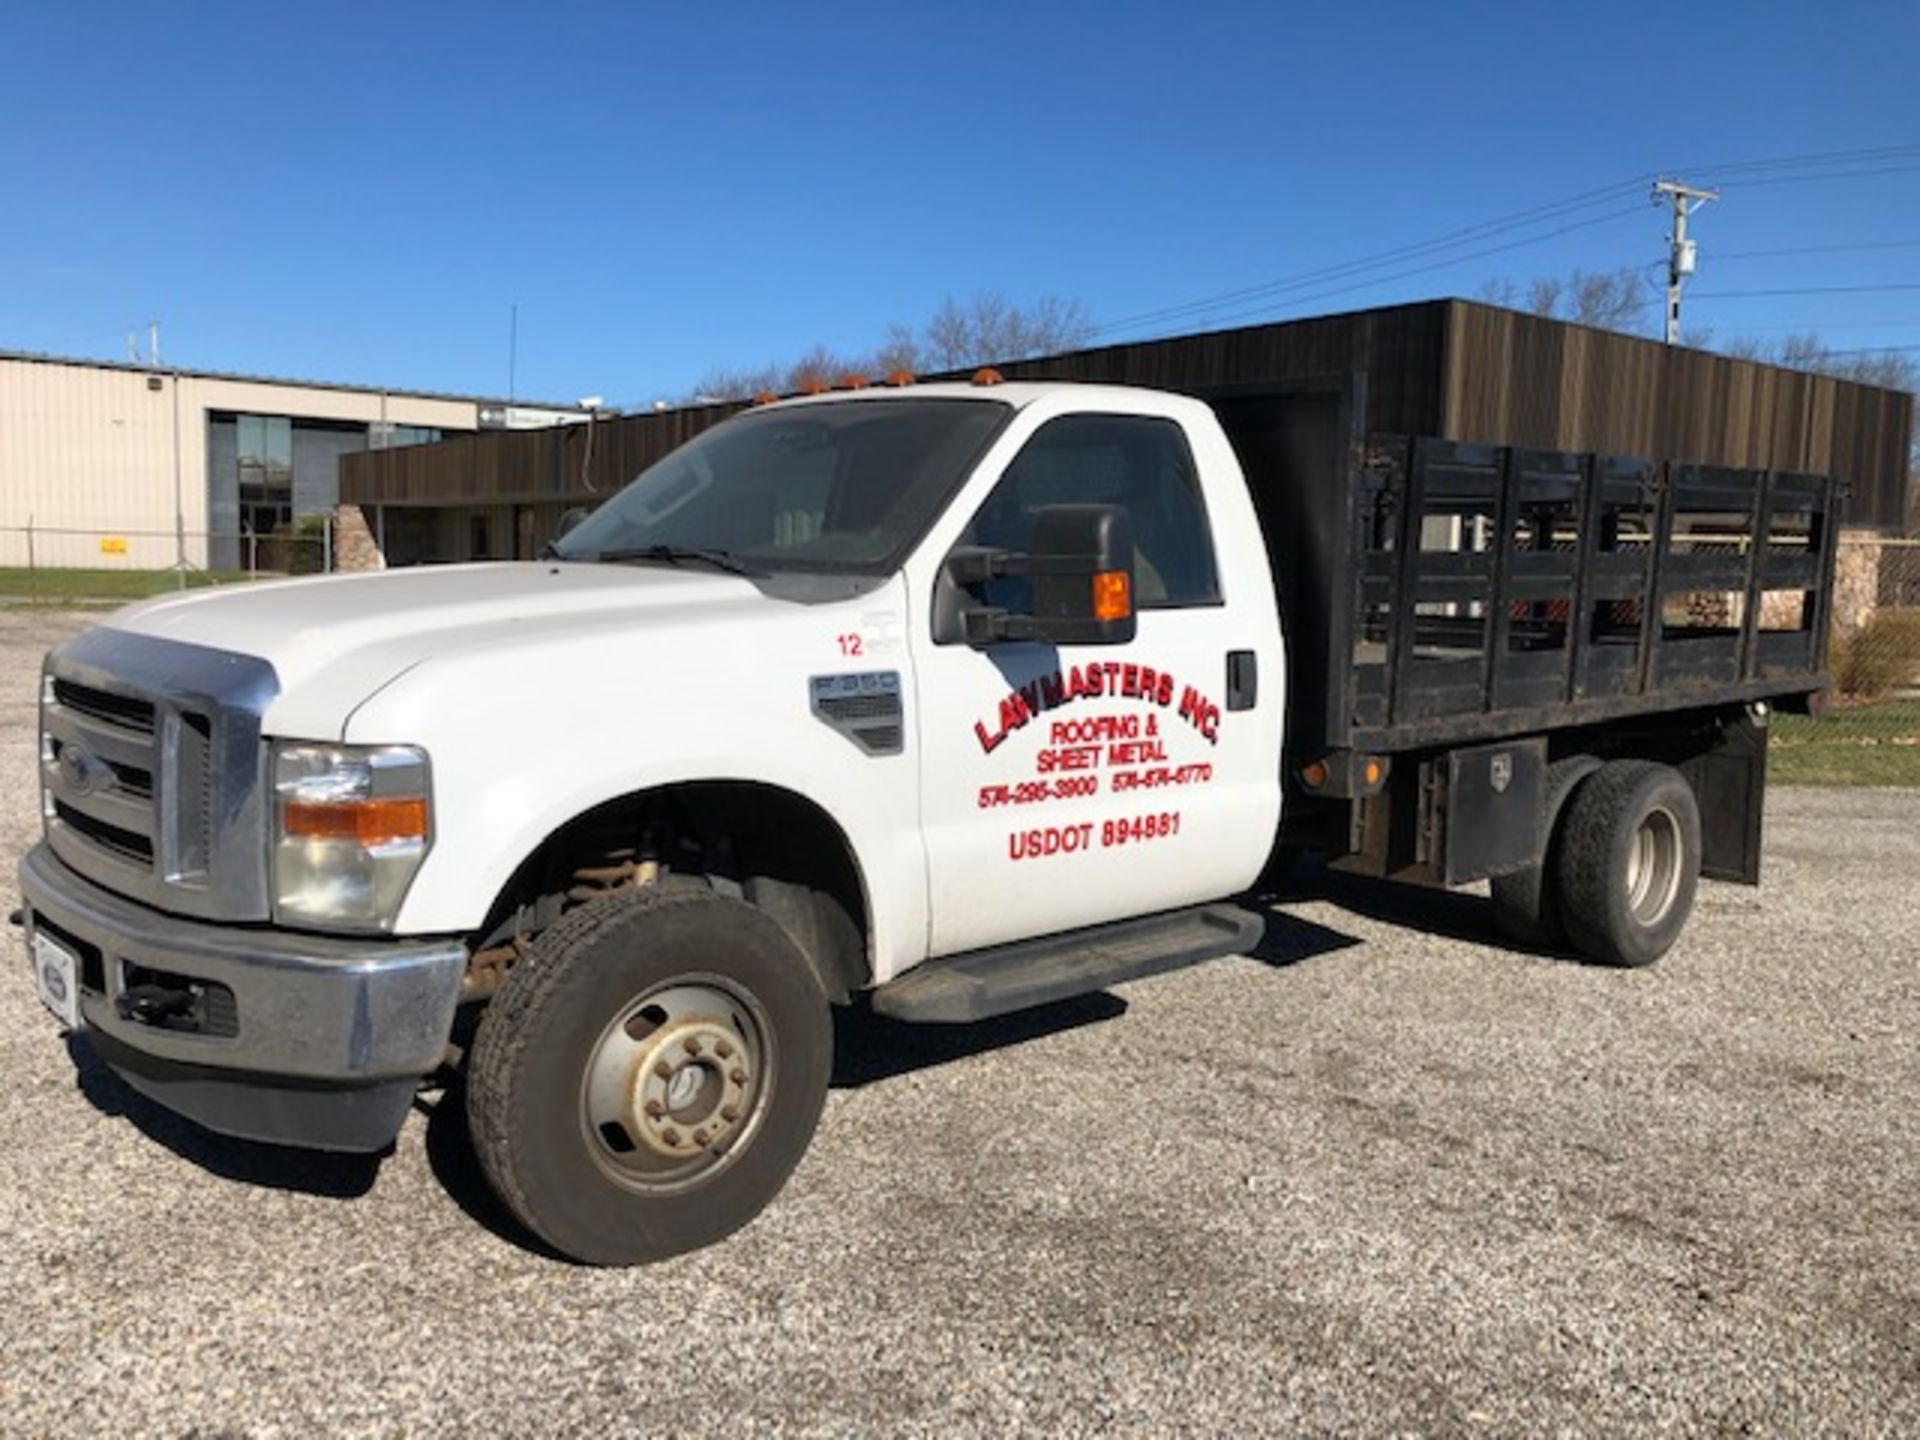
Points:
(1373, 772)
(1112, 595)
(1314, 773)
(987, 375)
(363, 822)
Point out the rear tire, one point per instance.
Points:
(1629, 862)
(650, 1074)
(1526, 906)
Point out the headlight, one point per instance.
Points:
(352, 824)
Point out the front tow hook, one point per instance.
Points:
(154, 1005)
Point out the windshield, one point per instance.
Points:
(845, 486)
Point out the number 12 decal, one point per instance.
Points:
(850, 645)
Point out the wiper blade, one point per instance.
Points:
(679, 555)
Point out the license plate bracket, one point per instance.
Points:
(56, 974)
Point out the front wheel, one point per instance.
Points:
(650, 1074)
(1629, 862)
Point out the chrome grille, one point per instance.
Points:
(126, 712)
(152, 771)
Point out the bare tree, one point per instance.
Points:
(984, 328)
(987, 327)
(819, 366)
(900, 351)
(1543, 296)
(734, 383)
(1606, 299)
(1891, 369)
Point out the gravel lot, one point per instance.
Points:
(1383, 1176)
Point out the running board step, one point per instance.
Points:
(984, 983)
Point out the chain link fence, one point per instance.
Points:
(60, 565)
(1870, 733)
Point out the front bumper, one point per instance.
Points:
(295, 1039)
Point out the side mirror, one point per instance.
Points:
(1082, 573)
(570, 520)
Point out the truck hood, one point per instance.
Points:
(333, 641)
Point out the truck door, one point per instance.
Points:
(1068, 785)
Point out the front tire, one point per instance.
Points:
(1629, 862)
(650, 1074)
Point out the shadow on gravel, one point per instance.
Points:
(450, 1156)
(1445, 913)
(275, 1167)
(869, 1047)
(1289, 940)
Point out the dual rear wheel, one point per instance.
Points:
(1622, 861)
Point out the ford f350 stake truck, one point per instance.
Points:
(970, 696)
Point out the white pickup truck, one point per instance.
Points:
(966, 697)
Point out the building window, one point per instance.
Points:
(384, 435)
(479, 539)
(265, 444)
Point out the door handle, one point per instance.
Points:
(1243, 679)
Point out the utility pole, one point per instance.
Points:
(1681, 254)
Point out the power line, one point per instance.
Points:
(1806, 160)
(1801, 327)
(1748, 172)
(1876, 350)
(1717, 256)
(1520, 219)
(1268, 306)
(1804, 290)
(1808, 179)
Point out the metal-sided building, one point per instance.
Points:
(112, 464)
(1451, 369)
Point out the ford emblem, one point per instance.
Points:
(83, 772)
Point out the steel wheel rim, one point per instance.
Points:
(677, 1083)
(1653, 867)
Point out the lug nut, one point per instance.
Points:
(672, 1137)
(691, 1044)
(729, 1113)
(662, 1069)
(723, 1048)
(737, 1075)
(700, 1138)
(655, 1109)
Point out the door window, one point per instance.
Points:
(1140, 462)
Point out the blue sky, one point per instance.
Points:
(361, 191)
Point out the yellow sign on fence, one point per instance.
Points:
(112, 545)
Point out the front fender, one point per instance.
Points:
(512, 770)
